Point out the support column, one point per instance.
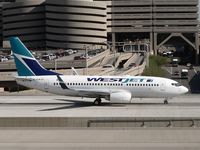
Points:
(197, 48)
(155, 43)
(113, 42)
(151, 42)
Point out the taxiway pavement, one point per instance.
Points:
(62, 106)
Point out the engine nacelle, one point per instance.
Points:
(120, 97)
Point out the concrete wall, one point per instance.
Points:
(99, 122)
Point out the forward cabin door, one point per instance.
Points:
(162, 86)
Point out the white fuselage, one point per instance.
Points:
(93, 86)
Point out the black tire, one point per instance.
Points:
(165, 102)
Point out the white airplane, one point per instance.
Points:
(116, 89)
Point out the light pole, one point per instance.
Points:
(55, 64)
(86, 55)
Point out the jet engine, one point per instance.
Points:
(120, 97)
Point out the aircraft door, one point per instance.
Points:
(162, 86)
(46, 85)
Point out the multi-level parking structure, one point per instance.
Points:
(2, 2)
(176, 20)
(25, 19)
(164, 21)
(75, 24)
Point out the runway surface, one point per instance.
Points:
(62, 106)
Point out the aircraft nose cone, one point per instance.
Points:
(184, 89)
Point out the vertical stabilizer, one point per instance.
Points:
(26, 63)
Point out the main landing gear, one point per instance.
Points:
(97, 101)
(166, 101)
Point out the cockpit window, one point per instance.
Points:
(176, 84)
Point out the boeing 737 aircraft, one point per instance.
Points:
(116, 89)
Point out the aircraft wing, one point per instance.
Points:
(97, 92)
(93, 92)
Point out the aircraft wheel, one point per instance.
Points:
(97, 101)
(166, 101)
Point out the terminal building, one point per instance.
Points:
(74, 24)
